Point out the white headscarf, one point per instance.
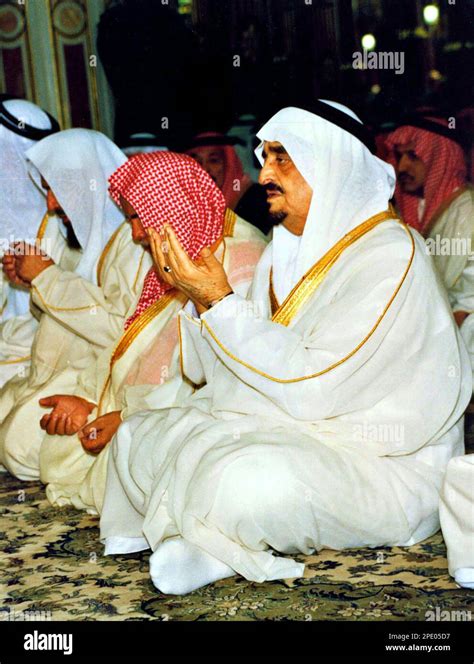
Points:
(22, 205)
(76, 164)
(349, 185)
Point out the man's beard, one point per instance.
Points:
(277, 217)
(71, 238)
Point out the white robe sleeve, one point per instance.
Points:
(95, 313)
(456, 266)
(461, 295)
(280, 361)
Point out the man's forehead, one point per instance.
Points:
(405, 147)
(274, 146)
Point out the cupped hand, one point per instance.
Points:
(69, 414)
(203, 280)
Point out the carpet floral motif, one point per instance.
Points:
(52, 562)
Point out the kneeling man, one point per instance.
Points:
(311, 428)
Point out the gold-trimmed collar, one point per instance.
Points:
(42, 227)
(230, 219)
(306, 286)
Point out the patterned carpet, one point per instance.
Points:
(52, 562)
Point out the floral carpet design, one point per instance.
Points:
(52, 562)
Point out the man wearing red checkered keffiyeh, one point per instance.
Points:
(432, 196)
(158, 192)
(168, 188)
(430, 169)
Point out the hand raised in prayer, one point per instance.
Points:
(98, 433)
(203, 280)
(9, 270)
(69, 414)
(28, 262)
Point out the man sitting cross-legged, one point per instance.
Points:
(153, 189)
(311, 429)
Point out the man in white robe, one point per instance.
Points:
(22, 209)
(153, 189)
(81, 302)
(333, 397)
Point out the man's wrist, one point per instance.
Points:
(47, 263)
(219, 299)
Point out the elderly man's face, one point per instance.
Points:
(288, 193)
(139, 235)
(411, 170)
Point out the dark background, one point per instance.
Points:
(177, 61)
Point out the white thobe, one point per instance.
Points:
(306, 435)
(79, 319)
(128, 384)
(451, 242)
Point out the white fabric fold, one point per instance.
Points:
(74, 163)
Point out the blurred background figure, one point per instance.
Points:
(216, 153)
(433, 196)
(140, 143)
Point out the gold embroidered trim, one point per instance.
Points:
(18, 359)
(230, 219)
(53, 308)
(153, 310)
(105, 251)
(42, 227)
(303, 290)
(349, 355)
(138, 325)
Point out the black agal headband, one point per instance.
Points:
(341, 120)
(19, 127)
(434, 127)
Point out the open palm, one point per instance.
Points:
(69, 414)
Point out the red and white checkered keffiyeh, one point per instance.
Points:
(236, 182)
(446, 171)
(164, 187)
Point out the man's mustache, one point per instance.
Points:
(405, 176)
(271, 186)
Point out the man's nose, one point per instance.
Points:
(403, 164)
(266, 174)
